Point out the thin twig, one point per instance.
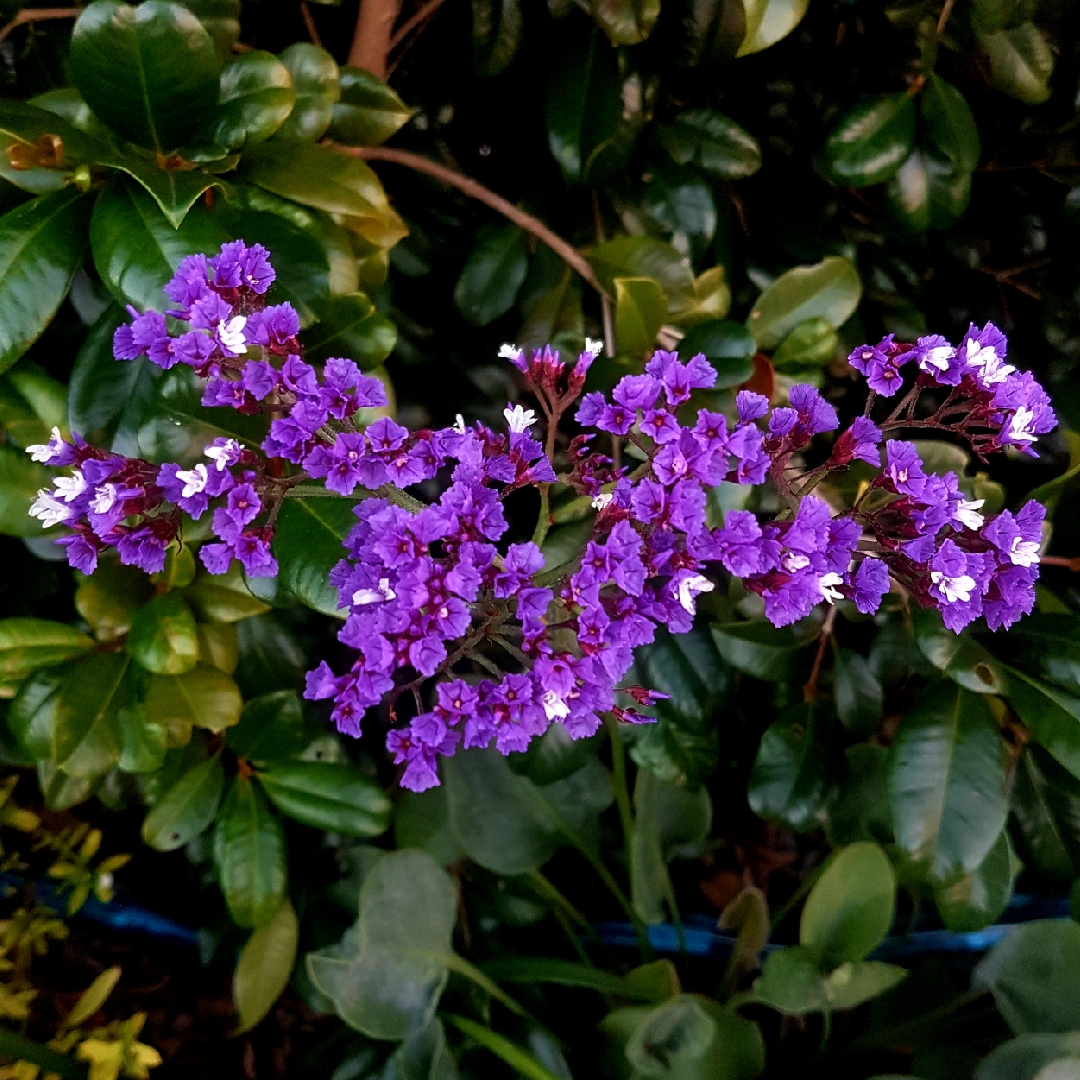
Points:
(566, 251)
(946, 11)
(605, 302)
(371, 38)
(422, 14)
(810, 690)
(32, 15)
(1057, 560)
(309, 22)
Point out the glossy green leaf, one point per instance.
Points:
(1048, 647)
(861, 809)
(369, 111)
(712, 294)
(1052, 716)
(265, 964)
(187, 807)
(271, 729)
(871, 141)
(270, 656)
(496, 34)
(791, 982)
(977, 899)
(626, 22)
(669, 822)
(86, 727)
(493, 274)
(794, 773)
(386, 977)
(315, 80)
(508, 824)
(32, 403)
(28, 644)
(350, 326)
(645, 256)
(143, 742)
(957, 656)
(712, 141)
(1046, 807)
(640, 307)
(136, 250)
(908, 193)
(1028, 1057)
(175, 191)
(150, 72)
(31, 718)
(308, 545)
(948, 783)
(812, 344)
(1021, 62)
(28, 121)
(859, 697)
(850, 908)
(61, 791)
(256, 98)
(758, 648)
(335, 798)
(727, 345)
(1034, 975)
(223, 597)
(221, 20)
(20, 481)
(163, 637)
(949, 123)
(767, 21)
(204, 696)
(555, 755)
(673, 752)
(830, 290)
(249, 850)
(41, 245)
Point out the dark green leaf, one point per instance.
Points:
(164, 638)
(335, 798)
(861, 810)
(688, 669)
(793, 774)
(204, 696)
(1048, 647)
(1021, 62)
(673, 752)
(767, 21)
(626, 22)
(496, 34)
(249, 850)
(555, 755)
(187, 807)
(86, 726)
(315, 79)
(221, 20)
(350, 326)
(949, 123)
(265, 964)
(223, 597)
(681, 202)
(28, 644)
(32, 715)
(948, 783)
(977, 899)
(1046, 806)
(812, 344)
(143, 742)
(1034, 975)
(530, 969)
(958, 656)
(712, 141)
(640, 307)
(758, 648)
(422, 821)
(136, 250)
(308, 545)
(271, 729)
(175, 191)
(41, 245)
(257, 96)
(908, 193)
(1030, 1056)
(727, 345)
(270, 656)
(858, 693)
(830, 289)
(28, 121)
(369, 112)
(20, 481)
(871, 141)
(850, 908)
(150, 72)
(31, 405)
(1052, 716)
(493, 274)
(645, 256)
(108, 598)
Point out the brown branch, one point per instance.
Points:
(946, 11)
(567, 252)
(810, 690)
(1056, 560)
(309, 22)
(371, 39)
(31, 15)
(424, 12)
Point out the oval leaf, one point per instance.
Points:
(266, 962)
(335, 798)
(493, 274)
(187, 808)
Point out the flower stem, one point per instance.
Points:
(543, 519)
(622, 791)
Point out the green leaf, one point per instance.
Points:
(136, 250)
(791, 983)
(187, 807)
(975, 900)
(812, 344)
(1021, 62)
(830, 289)
(850, 908)
(334, 798)
(315, 79)
(519, 1059)
(1034, 975)
(851, 984)
(958, 656)
(31, 405)
(861, 810)
(369, 112)
(41, 245)
(1046, 806)
(555, 755)
(270, 656)
(870, 142)
(767, 21)
(669, 822)
(223, 597)
(308, 545)
(249, 850)
(204, 696)
(508, 824)
(1028, 1057)
(688, 669)
(859, 697)
(143, 742)
(640, 308)
(645, 256)
(350, 326)
(314, 176)
(108, 598)
(422, 821)
(86, 727)
(949, 123)
(727, 345)
(164, 638)
(271, 729)
(149, 72)
(908, 193)
(1052, 716)
(28, 644)
(256, 98)
(548, 970)
(266, 962)
(948, 783)
(626, 22)
(758, 648)
(386, 977)
(674, 753)
(793, 775)
(32, 715)
(20, 481)
(93, 997)
(713, 142)
(175, 191)
(712, 294)
(493, 274)
(496, 34)
(1048, 647)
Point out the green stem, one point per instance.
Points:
(543, 519)
(519, 1059)
(622, 791)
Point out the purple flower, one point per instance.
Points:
(903, 468)
(860, 441)
(241, 266)
(815, 413)
(935, 357)
(636, 391)
(274, 327)
(751, 406)
(881, 366)
(340, 463)
(870, 585)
